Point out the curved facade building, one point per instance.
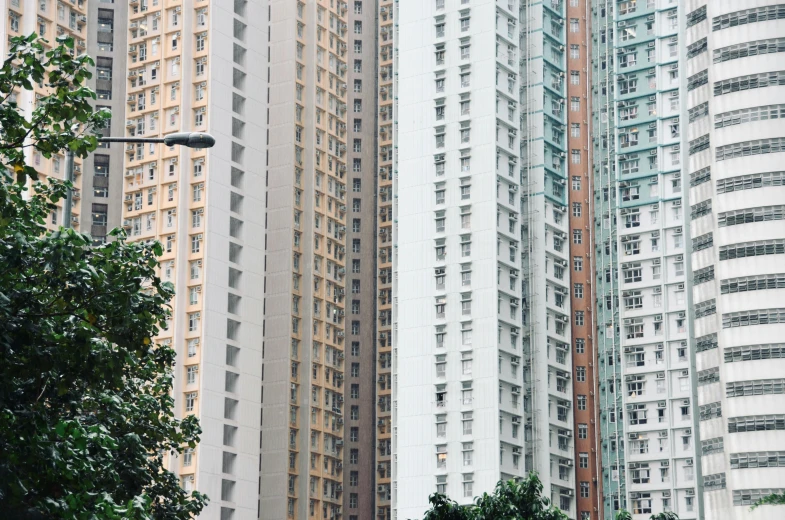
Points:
(735, 88)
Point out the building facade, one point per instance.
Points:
(645, 362)
(482, 359)
(588, 476)
(360, 474)
(303, 451)
(384, 255)
(201, 67)
(734, 70)
(102, 193)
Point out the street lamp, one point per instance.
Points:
(189, 139)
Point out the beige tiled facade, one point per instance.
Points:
(49, 19)
(306, 262)
(385, 259)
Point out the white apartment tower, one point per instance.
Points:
(734, 140)
(481, 334)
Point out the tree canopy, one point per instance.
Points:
(86, 415)
(511, 500)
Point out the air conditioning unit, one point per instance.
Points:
(688, 431)
(633, 436)
(689, 492)
(665, 463)
(685, 373)
(682, 314)
(516, 420)
(690, 462)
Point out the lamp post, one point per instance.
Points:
(189, 139)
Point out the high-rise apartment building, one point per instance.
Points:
(304, 456)
(201, 66)
(588, 477)
(547, 235)
(385, 255)
(482, 358)
(49, 19)
(643, 333)
(733, 139)
(102, 190)
(362, 301)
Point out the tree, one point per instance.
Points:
(86, 416)
(511, 500)
(776, 499)
(623, 514)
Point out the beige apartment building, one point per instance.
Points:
(200, 66)
(49, 19)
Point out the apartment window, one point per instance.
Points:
(191, 373)
(194, 319)
(579, 318)
(575, 77)
(190, 401)
(574, 25)
(358, 27)
(575, 104)
(583, 460)
(583, 431)
(577, 236)
(580, 374)
(577, 264)
(578, 290)
(575, 52)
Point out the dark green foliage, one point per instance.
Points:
(777, 499)
(86, 416)
(521, 500)
(666, 515)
